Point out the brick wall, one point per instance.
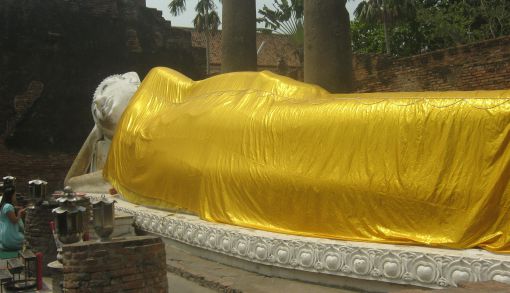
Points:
(25, 166)
(478, 66)
(131, 264)
(54, 53)
(99, 7)
(23, 102)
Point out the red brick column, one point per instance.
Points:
(133, 263)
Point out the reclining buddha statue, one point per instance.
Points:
(108, 103)
(262, 151)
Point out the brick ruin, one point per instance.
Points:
(482, 65)
(131, 264)
(478, 66)
(54, 53)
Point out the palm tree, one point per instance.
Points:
(286, 18)
(385, 12)
(206, 20)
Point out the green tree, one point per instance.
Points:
(385, 13)
(497, 16)
(367, 38)
(406, 38)
(447, 23)
(284, 17)
(206, 20)
(434, 24)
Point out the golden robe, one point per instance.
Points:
(263, 151)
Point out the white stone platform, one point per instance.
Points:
(396, 264)
(123, 226)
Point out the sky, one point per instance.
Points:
(186, 19)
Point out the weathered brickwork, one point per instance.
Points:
(131, 264)
(26, 166)
(478, 66)
(54, 53)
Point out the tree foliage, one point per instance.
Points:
(367, 38)
(203, 8)
(203, 23)
(206, 20)
(177, 7)
(434, 24)
(386, 13)
(287, 18)
(284, 16)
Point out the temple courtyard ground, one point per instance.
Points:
(193, 274)
(188, 273)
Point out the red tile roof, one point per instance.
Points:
(275, 47)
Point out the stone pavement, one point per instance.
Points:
(181, 285)
(189, 273)
(481, 287)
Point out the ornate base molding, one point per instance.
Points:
(398, 264)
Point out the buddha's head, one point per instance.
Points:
(111, 99)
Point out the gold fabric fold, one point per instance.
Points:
(263, 151)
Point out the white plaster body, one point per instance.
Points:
(111, 99)
(108, 103)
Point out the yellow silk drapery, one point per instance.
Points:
(263, 151)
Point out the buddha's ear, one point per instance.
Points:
(132, 77)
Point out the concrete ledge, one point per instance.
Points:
(480, 287)
(92, 182)
(251, 272)
(123, 226)
(395, 264)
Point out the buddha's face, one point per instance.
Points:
(111, 99)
